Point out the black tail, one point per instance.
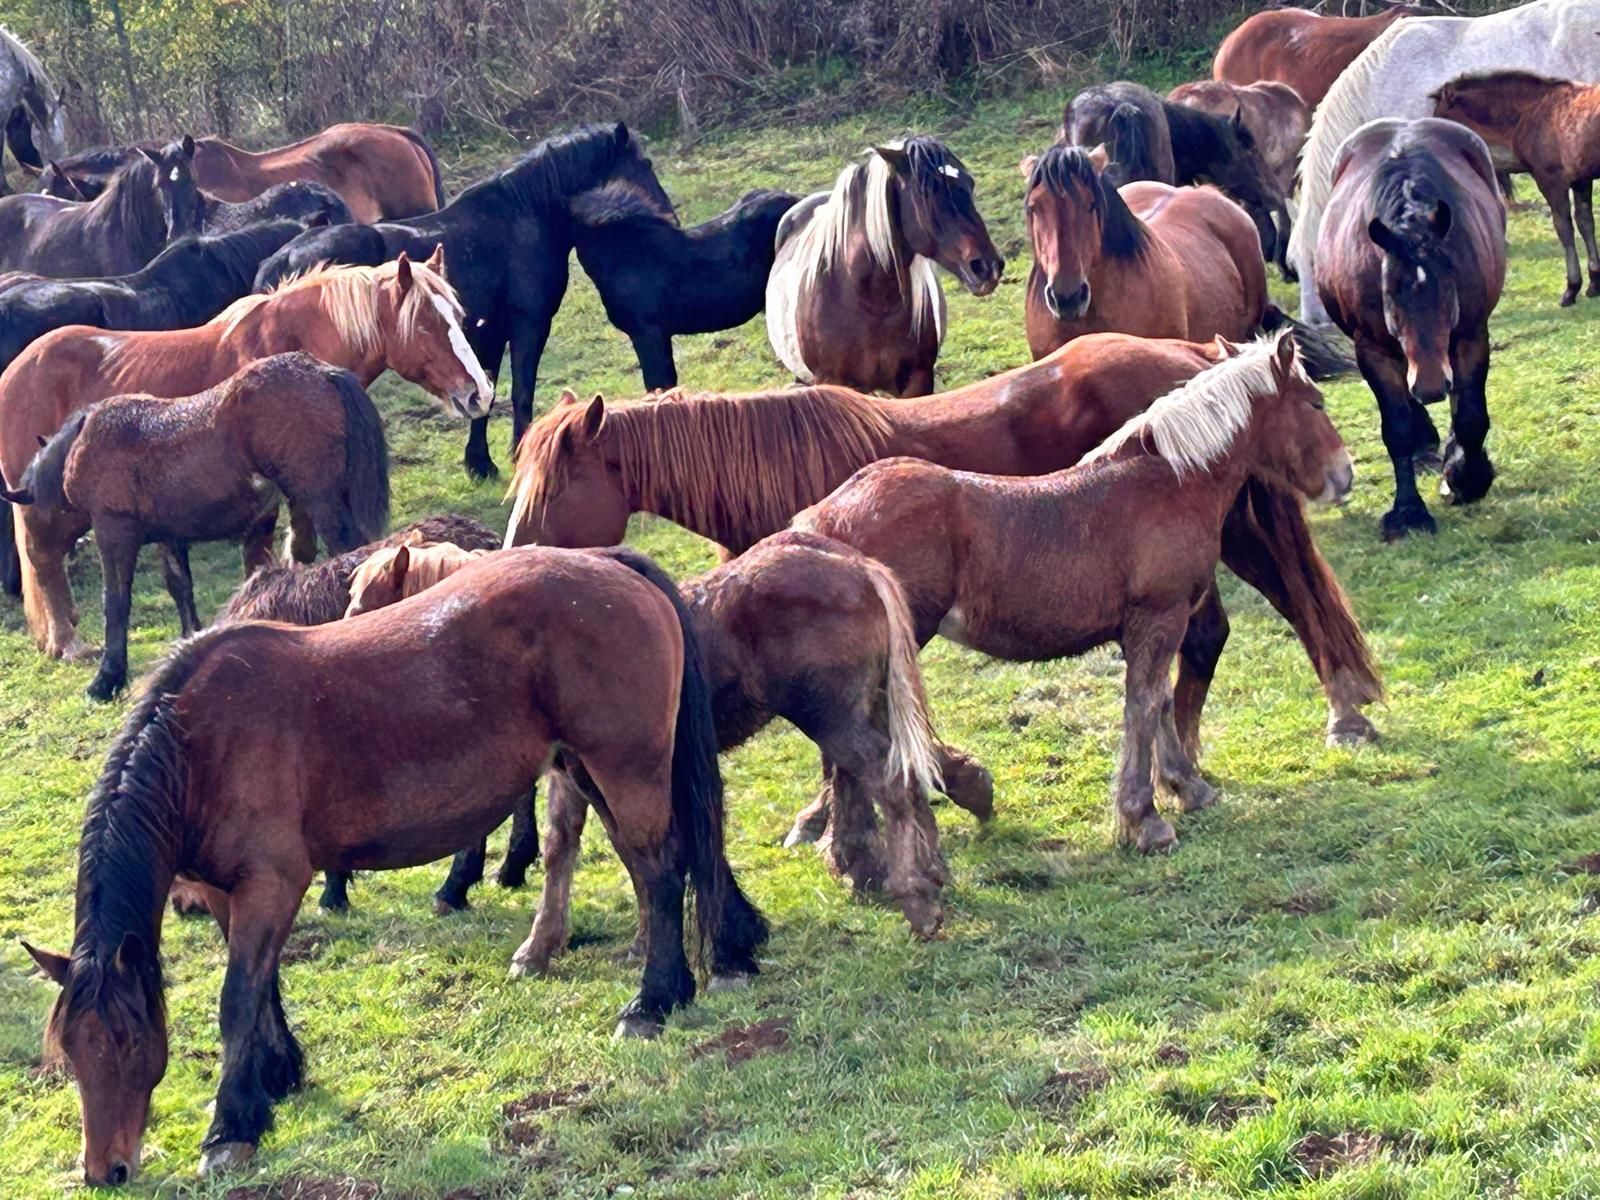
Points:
(728, 924)
(421, 143)
(366, 465)
(10, 564)
(1326, 352)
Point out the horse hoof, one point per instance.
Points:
(507, 879)
(226, 1156)
(481, 471)
(1156, 836)
(78, 651)
(1428, 460)
(443, 907)
(1195, 795)
(732, 981)
(1569, 297)
(800, 835)
(1396, 525)
(926, 917)
(1352, 730)
(103, 690)
(524, 968)
(637, 1027)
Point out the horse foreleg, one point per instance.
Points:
(1555, 194)
(301, 545)
(1203, 642)
(654, 348)
(335, 891)
(1150, 640)
(522, 851)
(466, 869)
(1583, 211)
(1467, 469)
(1387, 379)
(119, 542)
(176, 575)
(566, 809)
(527, 348)
(46, 591)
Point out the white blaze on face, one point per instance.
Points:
(458, 343)
(176, 174)
(1422, 276)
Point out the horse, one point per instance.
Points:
(1273, 114)
(148, 204)
(28, 101)
(854, 297)
(811, 631)
(381, 172)
(1549, 128)
(1411, 263)
(1305, 50)
(198, 785)
(311, 204)
(1149, 138)
(508, 239)
(1122, 547)
(1397, 75)
(736, 469)
(143, 469)
(657, 279)
(400, 317)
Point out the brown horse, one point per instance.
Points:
(1121, 548)
(1303, 49)
(735, 469)
(1277, 118)
(142, 470)
(853, 296)
(382, 172)
(1550, 128)
(364, 319)
(1411, 262)
(463, 697)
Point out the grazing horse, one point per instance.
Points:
(854, 296)
(811, 631)
(507, 239)
(149, 203)
(364, 319)
(735, 469)
(1121, 547)
(1410, 264)
(28, 102)
(1397, 75)
(311, 204)
(1550, 128)
(1272, 113)
(381, 172)
(657, 279)
(465, 696)
(1149, 138)
(143, 469)
(1305, 50)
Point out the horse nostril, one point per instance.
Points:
(118, 1174)
(979, 269)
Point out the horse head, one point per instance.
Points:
(1295, 438)
(567, 491)
(182, 206)
(939, 217)
(1065, 209)
(1420, 302)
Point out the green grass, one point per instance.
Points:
(1378, 943)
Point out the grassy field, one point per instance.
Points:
(1365, 973)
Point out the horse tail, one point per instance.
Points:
(1125, 137)
(1326, 352)
(913, 744)
(421, 143)
(10, 557)
(727, 924)
(366, 463)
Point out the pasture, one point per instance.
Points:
(1365, 973)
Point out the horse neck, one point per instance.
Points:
(139, 210)
(295, 320)
(126, 865)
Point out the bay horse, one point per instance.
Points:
(1305, 50)
(735, 469)
(29, 102)
(1396, 76)
(1550, 128)
(809, 630)
(1122, 547)
(143, 469)
(854, 296)
(657, 279)
(197, 785)
(381, 172)
(1149, 138)
(1411, 263)
(507, 239)
(1274, 115)
(148, 203)
(401, 317)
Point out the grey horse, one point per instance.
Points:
(30, 107)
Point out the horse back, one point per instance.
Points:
(1218, 255)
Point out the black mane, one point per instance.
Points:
(239, 254)
(617, 203)
(1406, 191)
(1061, 168)
(559, 167)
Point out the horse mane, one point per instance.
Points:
(39, 96)
(1469, 86)
(1061, 168)
(428, 563)
(618, 202)
(739, 465)
(238, 253)
(45, 474)
(560, 167)
(1405, 189)
(1194, 425)
(128, 192)
(348, 297)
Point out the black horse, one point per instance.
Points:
(149, 203)
(83, 176)
(1150, 137)
(310, 204)
(657, 279)
(507, 240)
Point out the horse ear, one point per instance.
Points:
(1027, 164)
(131, 954)
(1228, 349)
(893, 154)
(1284, 355)
(435, 261)
(594, 418)
(1442, 217)
(398, 566)
(1385, 238)
(187, 146)
(153, 155)
(42, 440)
(568, 396)
(52, 964)
(318, 220)
(402, 273)
(1100, 157)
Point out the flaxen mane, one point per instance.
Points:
(427, 564)
(739, 465)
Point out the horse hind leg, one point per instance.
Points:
(1175, 772)
(1555, 194)
(119, 543)
(1201, 650)
(967, 782)
(522, 851)
(566, 809)
(1583, 211)
(1149, 642)
(179, 579)
(466, 869)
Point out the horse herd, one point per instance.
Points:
(187, 331)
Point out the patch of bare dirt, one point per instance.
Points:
(309, 1188)
(1067, 1087)
(538, 1102)
(1305, 903)
(1319, 1154)
(741, 1043)
(1170, 1054)
(304, 945)
(1589, 864)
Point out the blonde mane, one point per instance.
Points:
(734, 468)
(428, 563)
(1194, 425)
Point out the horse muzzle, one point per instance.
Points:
(470, 402)
(981, 276)
(1339, 481)
(1068, 305)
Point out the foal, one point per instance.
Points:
(1121, 547)
(143, 469)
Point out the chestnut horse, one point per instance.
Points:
(735, 469)
(464, 697)
(1274, 114)
(399, 317)
(1550, 128)
(1122, 547)
(854, 296)
(382, 172)
(1303, 49)
(1410, 264)
(143, 470)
